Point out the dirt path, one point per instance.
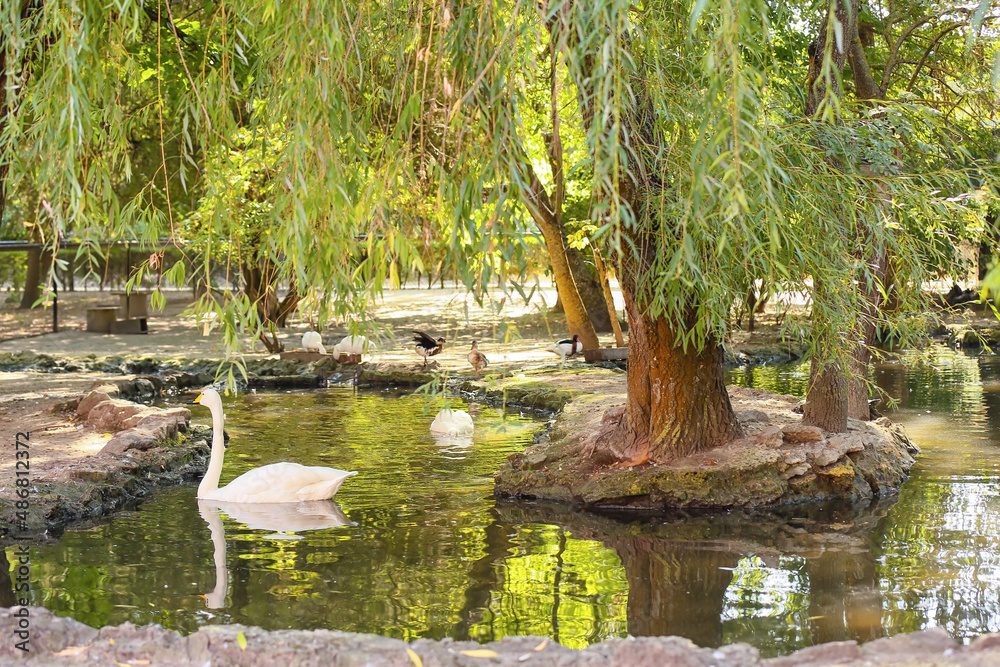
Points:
(53, 436)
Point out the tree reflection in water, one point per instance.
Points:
(680, 568)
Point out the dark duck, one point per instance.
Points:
(427, 346)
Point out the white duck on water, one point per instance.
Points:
(452, 422)
(275, 483)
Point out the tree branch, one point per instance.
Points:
(927, 53)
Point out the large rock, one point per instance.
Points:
(90, 401)
(148, 428)
(112, 414)
(134, 438)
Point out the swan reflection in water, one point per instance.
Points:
(284, 519)
(453, 444)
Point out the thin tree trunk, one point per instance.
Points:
(543, 212)
(827, 396)
(588, 282)
(38, 260)
(609, 299)
(826, 399)
(547, 208)
(260, 288)
(864, 334)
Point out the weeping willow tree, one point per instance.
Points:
(706, 174)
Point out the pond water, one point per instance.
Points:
(416, 546)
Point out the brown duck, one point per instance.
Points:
(477, 359)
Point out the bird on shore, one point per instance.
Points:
(313, 342)
(275, 483)
(566, 348)
(353, 347)
(477, 359)
(427, 346)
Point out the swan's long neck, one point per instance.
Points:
(210, 482)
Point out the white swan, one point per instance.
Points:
(353, 347)
(274, 483)
(313, 342)
(452, 422)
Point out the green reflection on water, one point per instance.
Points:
(936, 551)
(427, 556)
(430, 552)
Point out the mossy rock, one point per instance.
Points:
(91, 491)
(975, 337)
(534, 394)
(395, 378)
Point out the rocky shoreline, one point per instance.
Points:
(63, 641)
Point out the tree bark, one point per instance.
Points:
(588, 283)
(544, 214)
(259, 284)
(546, 209)
(987, 247)
(865, 329)
(826, 399)
(677, 402)
(602, 273)
(832, 391)
(37, 261)
(838, 56)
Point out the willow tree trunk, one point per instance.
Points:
(609, 300)
(866, 329)
(826, 398)
(827, 395)
(677, 401)
(260, 287)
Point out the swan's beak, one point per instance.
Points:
(197, 400)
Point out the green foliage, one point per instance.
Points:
(350, 143)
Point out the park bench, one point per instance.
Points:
(129, 317)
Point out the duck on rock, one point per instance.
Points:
(312, 341)
(427, 346)
(350, 349)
